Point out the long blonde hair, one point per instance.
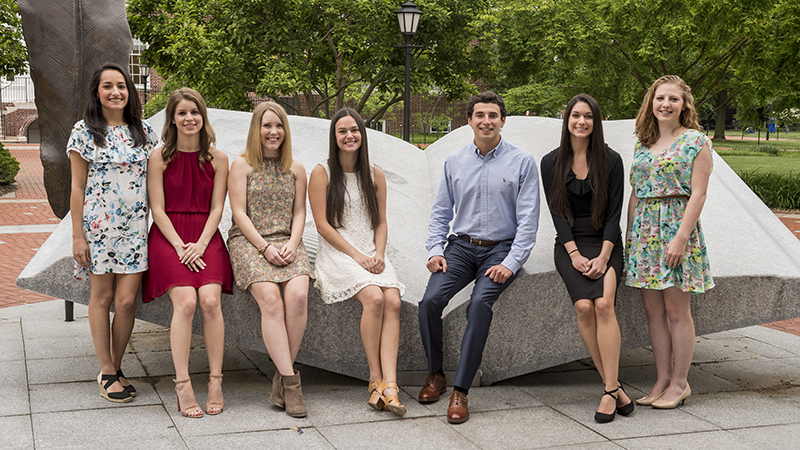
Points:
(252, 152)
(646, 124)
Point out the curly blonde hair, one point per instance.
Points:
(646, 124)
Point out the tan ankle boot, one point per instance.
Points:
(276, 397)
(293, 395)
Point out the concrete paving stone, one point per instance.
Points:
(56, 328)
(728, 334)
(776, 436)
(159, 364)
(158, 341)
(17, 432)
(762, 373)
(261, 360)
(146, 427)
(488, 398)
(561, 387)
(85, 395)
(10, 329)
(645, 421)
(420, 434)
(718, 350)
(42, 311)
(607, 445)
(303, 438)
(60, 347)
(537, 427)
(642, 379)
(315, 379)
(83, 368)
(710, 440)
(340, 406)
(142, 326)
(641, 356)
(742, 409)
(12, 350)
(786, 341)
(246, 406)
(790, 393)
(13, 388)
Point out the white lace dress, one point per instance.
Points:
(339, 277)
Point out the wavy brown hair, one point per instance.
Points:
(596, 159)
(336, 189)
(253, 152)
(169, 136)
(93, 113)
(646, 124)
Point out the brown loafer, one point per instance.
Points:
(458, 412)
(435, 386)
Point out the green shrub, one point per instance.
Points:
(775, 190)
(9, 166)
(766, 148)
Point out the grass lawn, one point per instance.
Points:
(783, 163)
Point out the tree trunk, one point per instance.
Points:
(719, 126)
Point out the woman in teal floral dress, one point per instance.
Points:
(108, 201)
(666, 253)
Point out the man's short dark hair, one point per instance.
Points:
(486, 97)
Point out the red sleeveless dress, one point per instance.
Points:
(187, 202)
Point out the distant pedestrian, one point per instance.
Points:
(108, 152)
(666, 252)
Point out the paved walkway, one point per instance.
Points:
(746, 385)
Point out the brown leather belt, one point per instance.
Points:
(478, 242)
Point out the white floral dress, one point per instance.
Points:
(115, 200)
(339, 276)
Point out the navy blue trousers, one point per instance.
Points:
(465, 263)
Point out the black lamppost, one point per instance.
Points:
(408, 16)
(144, 72)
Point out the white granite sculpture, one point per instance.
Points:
(755, 261)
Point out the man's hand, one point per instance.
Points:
(437, 263)
(499, 273)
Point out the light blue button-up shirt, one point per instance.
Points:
(493, 197)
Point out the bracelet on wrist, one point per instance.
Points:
(264, 249)
(573, 251)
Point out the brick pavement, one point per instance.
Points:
(29, 206)
(26, 205)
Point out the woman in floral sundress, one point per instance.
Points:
(268, 202)
(666, 252)
(108, 201)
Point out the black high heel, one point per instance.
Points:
(625, 410)
(603, 417)
(129, 387)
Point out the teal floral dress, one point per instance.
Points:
(115, 200)
(662, 184)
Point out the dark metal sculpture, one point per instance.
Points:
(67, 40)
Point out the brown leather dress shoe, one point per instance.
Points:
(435, 386)
(458, 412)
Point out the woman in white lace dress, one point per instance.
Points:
(348, 200)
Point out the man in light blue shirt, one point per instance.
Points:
(490, 191)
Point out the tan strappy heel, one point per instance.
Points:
(376, 399)
(392, 401)
(213, 409)
(193, 412)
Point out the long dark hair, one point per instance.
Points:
(93, 114)
(335, 195)
(170, 134)
(596, 159)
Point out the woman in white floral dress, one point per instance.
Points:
(108, 158)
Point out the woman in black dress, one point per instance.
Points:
(583, 181)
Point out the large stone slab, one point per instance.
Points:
(755, 261)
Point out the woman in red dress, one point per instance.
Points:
(186, 184)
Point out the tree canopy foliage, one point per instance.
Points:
(614, 49)
(328, 52)
(13, 56)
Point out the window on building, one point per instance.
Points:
(135, 66)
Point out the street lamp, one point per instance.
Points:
(408, 16)
(144, 72)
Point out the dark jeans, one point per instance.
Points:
(465, 263)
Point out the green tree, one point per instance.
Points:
(327, 52)
(613, 50)
(13, 56)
